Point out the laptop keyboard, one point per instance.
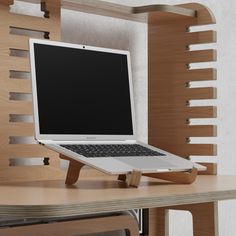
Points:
(112, 150)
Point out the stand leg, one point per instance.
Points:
(73, 170)
(132, 179)
(205, 222)
(158, 222)
(177, 177)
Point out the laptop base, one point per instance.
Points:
(133, 179)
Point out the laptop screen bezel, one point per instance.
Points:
(76, 137)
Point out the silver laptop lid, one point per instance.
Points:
(81, 92)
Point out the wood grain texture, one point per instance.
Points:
(106, 194)
(7, 2)
(168, 108)
(34, 173)
(9, 41)
(158, 221)
(169, 96)
(172, 58)
(73, 170)
(136, 13)
(178, 177)
(78, 227)
(204, 215)
(205, 220)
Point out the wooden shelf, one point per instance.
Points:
(136, 13)
(105, 194)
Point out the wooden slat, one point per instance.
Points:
(18, 129)
(201, 93)
(27, 22)
(28, 150)
(16, 63)
(201, 74)
(187, 150)
(19, 107)
(184, 41)
(34, 173)
(18, 85)
(201, 56)
(16, 41)
(202, 112)
(201, 149)
(185, 94)
(187, 130)
(187, 56)
(182, 114)
(202, 131)
(201, 37)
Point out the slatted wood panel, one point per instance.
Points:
(169, 76)
(15, 30)
(169, 110)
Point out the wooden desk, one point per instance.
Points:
(90, 195)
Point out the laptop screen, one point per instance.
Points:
(81, 90)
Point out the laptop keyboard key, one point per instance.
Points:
(112, 150)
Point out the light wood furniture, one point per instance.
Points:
(78, 227)
(16, 123)
(105, 194)
(133, 179)
(169, 128)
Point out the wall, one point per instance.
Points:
(132, 36)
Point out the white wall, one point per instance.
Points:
(103, 31)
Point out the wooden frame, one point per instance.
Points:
(79, 227)
(173, 74)
(15, 31)
(133, 179)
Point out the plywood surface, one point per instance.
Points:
(78, 227)
(15, 30)
(106, 194)
(170, 76)
(136, 13)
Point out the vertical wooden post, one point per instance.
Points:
(169, 97)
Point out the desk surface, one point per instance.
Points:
(105, 194)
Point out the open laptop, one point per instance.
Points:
(84, 108)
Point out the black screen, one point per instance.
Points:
(82, 91)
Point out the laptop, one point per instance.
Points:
(83, 108)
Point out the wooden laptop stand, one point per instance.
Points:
(133, 179)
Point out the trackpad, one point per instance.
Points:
(146, 162)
